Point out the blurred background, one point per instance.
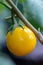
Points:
(33, 11)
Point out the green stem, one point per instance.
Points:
(5, 5)
(7, 18)
(12, 14)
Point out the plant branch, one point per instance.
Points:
(25, 21)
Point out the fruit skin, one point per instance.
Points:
(21, 41)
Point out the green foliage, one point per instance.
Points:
(33, 11)
(23, 1)
(1, 6)
(4, 1)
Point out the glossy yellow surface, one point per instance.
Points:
(21, 41)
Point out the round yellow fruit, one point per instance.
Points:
(21, 41)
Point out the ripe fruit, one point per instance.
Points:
(21, 41)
